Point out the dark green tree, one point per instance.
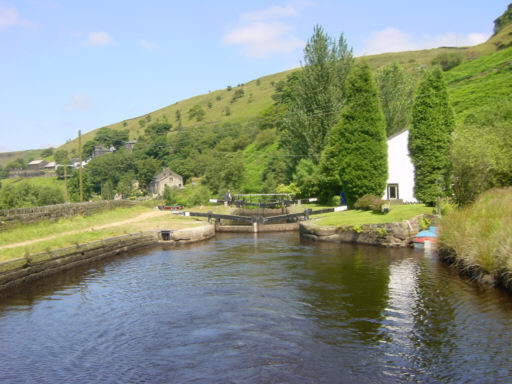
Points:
(61, 156)
(315, 96)
(503, 20)
(359, 138)
(74, 186)
(430, 137)
(396, 92)
(146, 169)
(158, 129)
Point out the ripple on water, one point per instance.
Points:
(257, 309)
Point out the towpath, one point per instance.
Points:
(142, 217)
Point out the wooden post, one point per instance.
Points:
(66, 181)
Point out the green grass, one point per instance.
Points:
(480, 82)
(481, 234)
(87, 233)
(44, 229)
(356, 217)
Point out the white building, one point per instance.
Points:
(400, 184)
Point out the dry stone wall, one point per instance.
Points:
(15, 216)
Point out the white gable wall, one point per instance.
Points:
(400, 167)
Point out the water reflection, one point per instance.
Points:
(265, 308)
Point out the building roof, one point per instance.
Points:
(50, 164)
(36, 162)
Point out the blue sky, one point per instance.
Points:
(70, 65)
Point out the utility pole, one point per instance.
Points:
(80, 168)
(66, 181)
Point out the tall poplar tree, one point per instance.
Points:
(359, 138)
(396, 92)
(315, 96)
(430, 137)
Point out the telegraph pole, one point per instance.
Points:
(80, 168)
(66, 181)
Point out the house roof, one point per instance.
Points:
(36, 162)
(50, 164)
(166, 172)
(397, 134)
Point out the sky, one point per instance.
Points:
(84, 64)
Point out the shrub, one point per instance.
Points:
(369, 203)
(447, 61)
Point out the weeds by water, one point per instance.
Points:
(481, 234)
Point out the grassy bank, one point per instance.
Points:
(47, 236)
(480, 235)
(356, 217)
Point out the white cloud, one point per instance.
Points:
(9, 17)
(148, 45)
(262, 32)
(264, 38)
(79, 102)
(394, 40)
(99, 38)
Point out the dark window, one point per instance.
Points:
(392, 191)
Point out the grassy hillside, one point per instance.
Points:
(483, 76)
(480, 82)
(7, 157)
(483, 68)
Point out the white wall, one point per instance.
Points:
(400, 167)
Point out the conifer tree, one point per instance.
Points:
(360, 138)
(430, 137)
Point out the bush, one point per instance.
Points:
(369, 203)
(447, 61)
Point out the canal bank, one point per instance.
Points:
(36, 266)
(398, 234)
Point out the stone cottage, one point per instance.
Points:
(36, 164)
(166, 177)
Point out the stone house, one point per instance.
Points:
(36, 164)
(100, 150)
(400, 183)
(128, 145)
(166, 177)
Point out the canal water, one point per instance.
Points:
(258, 309)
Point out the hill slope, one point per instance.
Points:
(484, 67)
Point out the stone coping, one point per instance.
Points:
(31, 267)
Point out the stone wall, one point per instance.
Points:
(389, 234)
(12, 217)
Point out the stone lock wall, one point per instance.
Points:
(389, 234)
